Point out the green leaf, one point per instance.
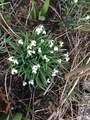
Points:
(29, 110)
(34, 11)
(13, 46)
(18, 116)
(43, 78)
(8, 117)
(24, 118)
(45, 8)
(3, 116)
(12, 101)
(39, 83)
(42, 18)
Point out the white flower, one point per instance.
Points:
(44, 32)
(42, 41)
(38, 66)
(15, 62)
(41, 26)
(40, 29)
(87, 17)
(59, 61)
(12, 108)
(29, 47)
(51, 43)
(31, 82)
(61, 44)
(54, 72)
(33, 51)
(48, 80)
(24, 83)
(33, 43)
(35, 68)
(39, 50)
(45, 58)
(34, 71)
(11, 58)
(55, 48)
(66, 57)
(14, 71)
(30, 52)
(20, 41)
(75, 1)
(52, 52)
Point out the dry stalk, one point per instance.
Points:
(8, 27)
(6, 85)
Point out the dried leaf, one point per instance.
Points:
(4, 104)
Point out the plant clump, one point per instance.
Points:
(36, 57)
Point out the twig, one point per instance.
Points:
(47, 88)
(70, 91)
(81, 61)
(8, 26)
(52, 115)
(4, 28)
(6, 84)
(86, 67)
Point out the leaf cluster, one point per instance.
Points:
(26, 61)
(38, 14)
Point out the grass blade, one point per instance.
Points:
(45, 8)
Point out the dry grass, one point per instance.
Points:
(79, 46)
